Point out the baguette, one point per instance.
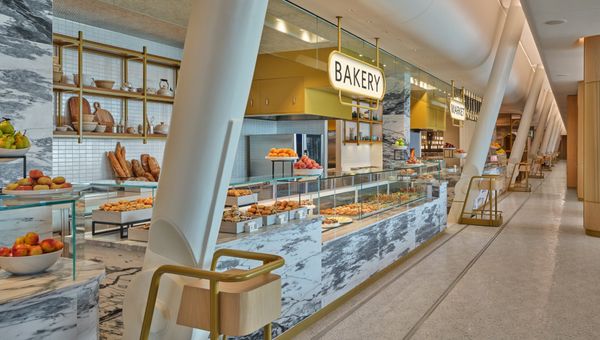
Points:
(129, 168)
(114, 163)
(123, 164)
(149, 177)
(144, 160)
(138, 171)
(154, 167)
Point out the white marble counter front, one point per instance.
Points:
(51, 305)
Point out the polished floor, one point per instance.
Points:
(536, 277)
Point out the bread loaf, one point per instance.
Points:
(144, 159)
(116, 166)
(138, 171)
(154, 167)
(149, 177)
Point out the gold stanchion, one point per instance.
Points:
(486, 214)
(522, 185)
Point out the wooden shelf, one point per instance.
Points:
(112, 93)
(106, 135)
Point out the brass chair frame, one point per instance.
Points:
(270, 263)
(494, 216)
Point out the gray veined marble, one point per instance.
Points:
(51, 305)
(26, 19)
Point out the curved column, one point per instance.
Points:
(591, 135)
(493, 96)
(541, 126)
(516, 153)
(219, 57)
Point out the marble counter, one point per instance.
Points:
(51, 305)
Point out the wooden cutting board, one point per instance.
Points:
(104, 117)
(74, 108)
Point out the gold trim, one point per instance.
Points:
(270, 263)
(593, 233)
(309, 321)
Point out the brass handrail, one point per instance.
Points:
(270, 263)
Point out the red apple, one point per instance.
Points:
(66, 185)
(25, 181)
(19, 240)
(35, 173)
(58, 245)
(5, 251)
(48, 245)
(35, 250)
(31, 238)
(20, 250)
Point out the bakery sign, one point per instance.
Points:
(457, 110)
(352, 76)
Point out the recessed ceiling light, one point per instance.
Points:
(360, 55)
(555, 22)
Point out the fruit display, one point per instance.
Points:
(236, 215)
(306, 162)
(238, 192)
(283, 152)
(495, 145)
(120, 206)
(412, 159)
(37, 181)
(30, 245)
(145, 169)
(11, 139)
(500, 151)
(400, 142)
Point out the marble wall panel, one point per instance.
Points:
(396, 116)
(26, 78)
(15, 223)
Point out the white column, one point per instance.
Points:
(219, 57)
(541, 126)
(554, 137)
(492, 100)
(547, 134)
(516, 153)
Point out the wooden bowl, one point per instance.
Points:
(104, 84)
(88, 118)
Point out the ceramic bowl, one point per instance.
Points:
(27, 265)
(87, 80)
(88, 118)
(100, 128)
(104, 84)
(87, 126)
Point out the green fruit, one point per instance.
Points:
(5, 143)
(21, 141)
(6, 127)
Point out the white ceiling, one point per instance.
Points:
(561, 51)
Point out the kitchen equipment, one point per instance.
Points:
(67, 79)
(259, 146)
(87, 80)
(27, 265)
(131, 130)
(57, 76)
(165, 89)
(161, 128)
(139, 90)
(73, 103)
(88, 118)
(87, 126)
(125, 86)
(104, 84)
(150, 90)
(100, 128)
(103, 116)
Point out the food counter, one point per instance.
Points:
(52, 304)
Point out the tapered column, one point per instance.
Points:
(591, 135)
(516, 153)
(219, 57)
(547, 134)
(541, 126)
(572, 141)
(580, 114)
(492, 99)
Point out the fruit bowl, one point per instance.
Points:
(27, 265)
(13, 152)
(308, 172)
(400, 147)
(36, 193)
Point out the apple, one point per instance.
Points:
(25, 181)
(59, 180)
(20, 240)
(67, 185)
(31, 238)
(35, 250)
(24, 187)
(41, 187)
(44, 180)
(5, 251)
(55, 186)
(20, 250)
(58, 245)
(35, 173)
(48, 245)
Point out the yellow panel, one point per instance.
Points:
(284, 95)
(327, 104)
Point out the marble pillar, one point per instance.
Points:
(591, 135)
(26, 79)
(396, 116)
